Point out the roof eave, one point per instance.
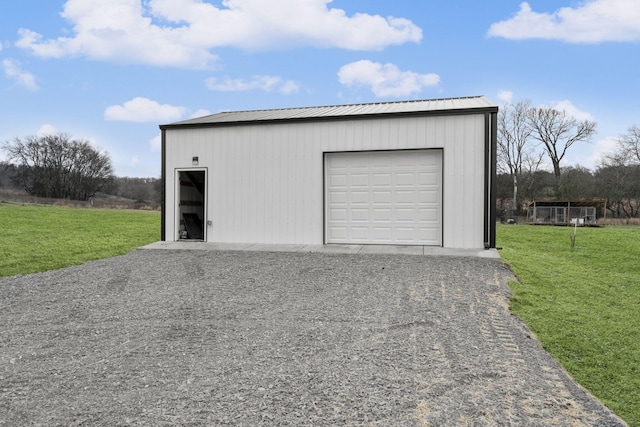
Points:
(437, 112)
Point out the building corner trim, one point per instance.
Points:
(490, 187)
(163, 185)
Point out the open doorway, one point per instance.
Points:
(191, 210)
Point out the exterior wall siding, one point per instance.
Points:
(266, 181)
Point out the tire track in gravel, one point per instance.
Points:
(487, 387)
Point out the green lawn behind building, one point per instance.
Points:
(583, 303)
(35, 238)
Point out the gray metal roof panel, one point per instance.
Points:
(335, 111)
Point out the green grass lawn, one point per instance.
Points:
(583, 303)
(35, 238)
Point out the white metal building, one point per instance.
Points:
(402, 173)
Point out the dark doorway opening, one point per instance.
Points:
(191, 204)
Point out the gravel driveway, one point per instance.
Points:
(194, 338)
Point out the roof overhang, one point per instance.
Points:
(430, 107)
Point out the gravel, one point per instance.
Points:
(199, 338)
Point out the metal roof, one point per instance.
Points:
(429, 106)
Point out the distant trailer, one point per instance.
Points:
(559, 212)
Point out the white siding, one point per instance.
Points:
(266, 180)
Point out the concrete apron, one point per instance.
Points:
(331, 248)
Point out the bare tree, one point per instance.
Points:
(57, 166)
(630, 144)
(532, 174)
(619, 182)
(618, 177)
(558, 131)
(515, 148)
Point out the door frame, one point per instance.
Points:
(178, 213)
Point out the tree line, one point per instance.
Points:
(533, 142)
(58, 166)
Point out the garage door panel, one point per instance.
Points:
(382, 180)
(405, 234)
(376, 162)
(361, 162)
(407, 197)
(383, 215)
(337, 162)
(359, 180)
(408, 215)
(383, 196)
(360, 198)
(400, 161)
(430, 237)
(338, 233)
(359, 233)
(338, 181)
(381, 235)
(431, 197)
(431, 216)
(390, 197)
(360, 215)
(428, 178)
(338, 197)
(405, 179)
(337, 215)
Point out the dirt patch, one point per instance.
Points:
(255, 338)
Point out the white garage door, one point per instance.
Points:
(384, 197)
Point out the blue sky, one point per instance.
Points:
(111, 71)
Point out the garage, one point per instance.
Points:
(418, 172)
(383, 197)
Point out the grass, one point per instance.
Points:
(583, 303)
(35, 238)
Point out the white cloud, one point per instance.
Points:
(572, 110)
(200, 113)
(592, 155)
(47, 129)
(591, 21)
(385, 80)
(266, 83)
(505, 96)
(156, 144)
(143, 110)
(13, 71)
(289, 87)
(134, 161)
(182, 32)
(602, 147)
